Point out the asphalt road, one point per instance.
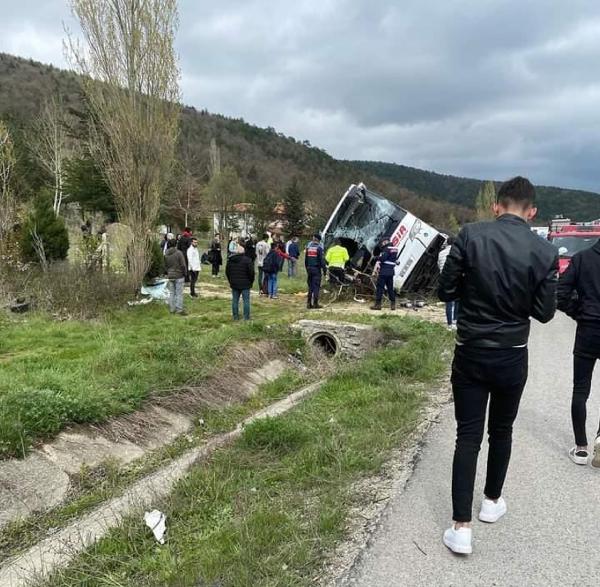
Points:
(550, 536)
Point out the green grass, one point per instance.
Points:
(56, 373)
(267, 510)
(90, 487)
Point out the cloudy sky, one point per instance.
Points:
(481, 88)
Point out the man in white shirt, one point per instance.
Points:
(262, 250)
(194, 266)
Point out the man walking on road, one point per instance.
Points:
(579, 298)
(503, 274)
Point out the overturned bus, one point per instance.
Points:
(362, 218)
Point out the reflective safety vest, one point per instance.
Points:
(337, 256)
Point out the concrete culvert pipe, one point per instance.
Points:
(326, 343)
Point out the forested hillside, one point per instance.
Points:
(266, 161)
(577, 204)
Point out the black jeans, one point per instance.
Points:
(215, 268)
(585, 354)
(479, 374)
(193, 279)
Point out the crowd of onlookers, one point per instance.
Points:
(244, 258)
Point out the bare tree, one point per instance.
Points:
(7, 201)
(224, 191)
(50, 144)
(131, 84)
(39, 248)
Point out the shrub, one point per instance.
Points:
(157, 262)
(49, 230)
(67, 290)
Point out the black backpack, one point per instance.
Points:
(271, 263)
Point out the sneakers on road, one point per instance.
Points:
(580, 457)
(596, 457)
(492, 511)
(459, 540)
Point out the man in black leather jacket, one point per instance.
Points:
(503, 274)
(579, 298)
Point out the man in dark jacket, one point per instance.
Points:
(184, 243)
(240, 273)
(314, 261)
(579, 298)
(387, 269)
(503, 274)
(176, 270)
(215, 255)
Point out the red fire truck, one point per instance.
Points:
(572, 238)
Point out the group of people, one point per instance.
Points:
(501, 275)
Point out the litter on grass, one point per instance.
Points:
(157, 522)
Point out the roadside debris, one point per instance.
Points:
(157, 522)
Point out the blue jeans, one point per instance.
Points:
(271, 284)
(292, 270)
(176, 294)
(235, 303)
(451, 312)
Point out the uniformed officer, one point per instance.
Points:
(387, 266)
(314, 262)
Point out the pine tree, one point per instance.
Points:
(453, 225)
(44, 237)
(295, 214)
(485, 200)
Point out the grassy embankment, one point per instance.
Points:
(56, 373)
(268, 509)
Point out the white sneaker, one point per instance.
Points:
(454, 326)
(492, 511)
(458, 541)
(580, 457)
(596, 457)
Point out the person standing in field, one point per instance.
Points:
(262, 250)
(271, 270)
(451, 307)
(503, 275)
(337, 258)
(215, 256)
(194, 266)
(240, 274)
(314, 261)
(293, 250)
(579, 298)
(176, 272)
(386, 264)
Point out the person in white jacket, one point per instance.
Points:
(194, 266)
(451, 307)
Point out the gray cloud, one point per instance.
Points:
(484, 88)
